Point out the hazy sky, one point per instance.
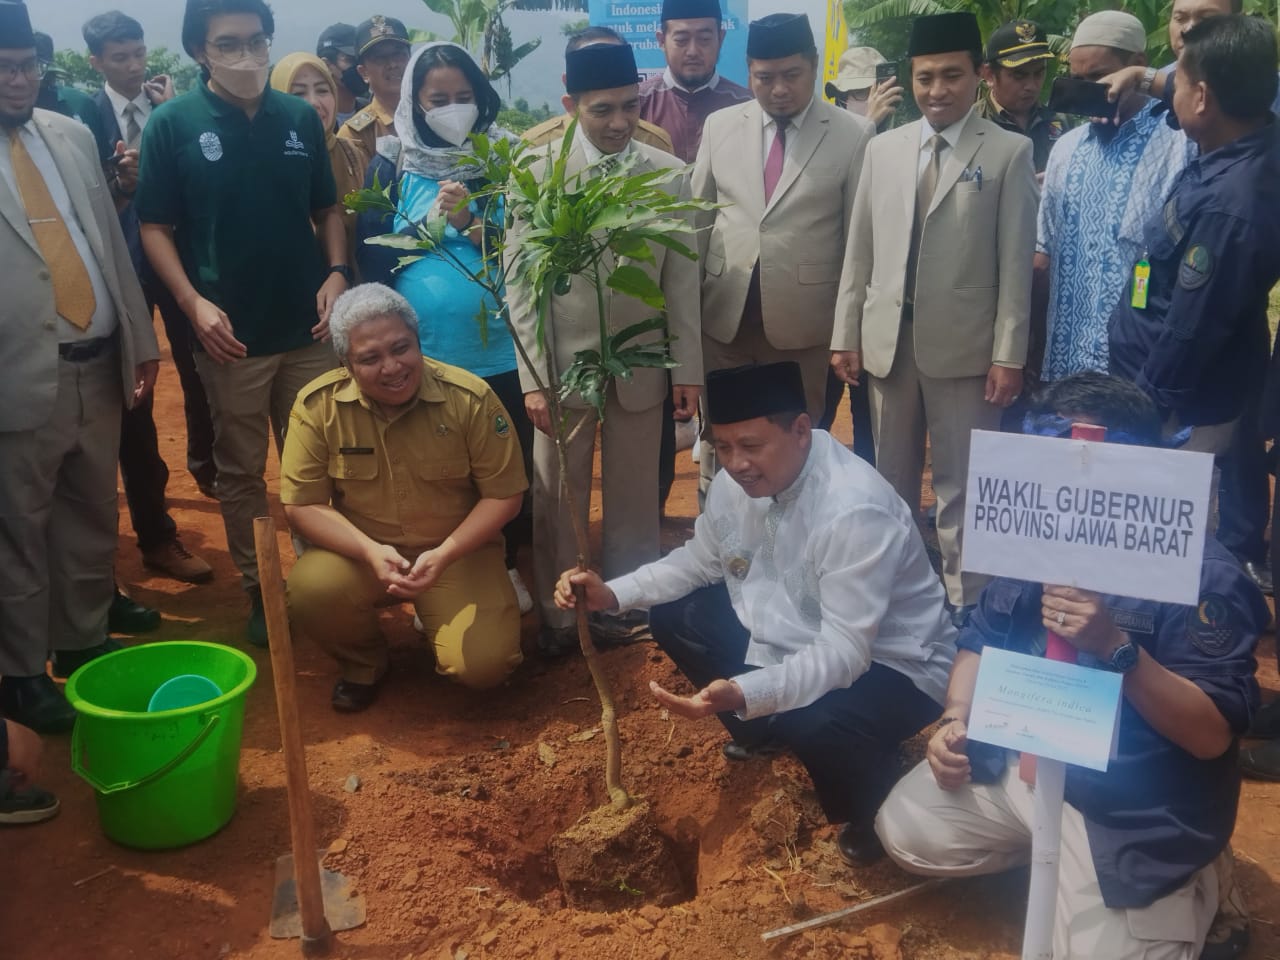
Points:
(299, 22)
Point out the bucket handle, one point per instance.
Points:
(162, 770)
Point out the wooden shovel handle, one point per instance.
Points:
(316, 936)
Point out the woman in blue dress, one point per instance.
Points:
(444, 98)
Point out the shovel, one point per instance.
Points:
(309, 902)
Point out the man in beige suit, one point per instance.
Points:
(603, 92)
(78, 347)
(785, 167)
(936, 290)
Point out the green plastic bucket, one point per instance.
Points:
(163, 779)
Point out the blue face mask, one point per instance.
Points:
(1053, 425)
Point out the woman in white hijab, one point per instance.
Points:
(445, 98)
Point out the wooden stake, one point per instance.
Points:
(824, 919)
(316, 935)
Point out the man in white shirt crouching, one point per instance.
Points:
(804, 607)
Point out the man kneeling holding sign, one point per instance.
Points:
(1138, 837)
(804, 607)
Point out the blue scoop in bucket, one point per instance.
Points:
(186, 690)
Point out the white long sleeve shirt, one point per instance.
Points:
(828, 577)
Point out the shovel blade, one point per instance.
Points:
(343, 907)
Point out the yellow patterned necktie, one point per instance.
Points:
(72, 290)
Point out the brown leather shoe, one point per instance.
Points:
(176, 561)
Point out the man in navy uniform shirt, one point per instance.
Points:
(1197, 340)
(1139, 841)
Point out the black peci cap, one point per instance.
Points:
(779, 35)
(15, 27)
(756, 390)
(601, 66)
(691, 10)
(944, 33)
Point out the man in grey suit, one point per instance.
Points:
(936, 290)
(78, 346)
(603, 93)
(785, 168)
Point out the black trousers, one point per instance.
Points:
(667, 450)
(195, 405)
(847, 739)
(864, 444)
(507, 388)
(145, 476)
(1244, 491)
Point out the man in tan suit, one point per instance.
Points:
(936, 291)
(78, 347)
(603, 92)
(553, 130)
(785, 167)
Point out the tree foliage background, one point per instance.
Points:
(888, 22)
(75, 67)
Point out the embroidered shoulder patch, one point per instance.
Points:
(1213, 627)
(1196, 267)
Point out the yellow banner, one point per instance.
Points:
(837, 40)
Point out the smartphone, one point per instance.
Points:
(885, 70)
(1080, 98)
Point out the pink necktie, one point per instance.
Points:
(773, 165)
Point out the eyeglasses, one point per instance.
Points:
(32, 69)
(233, 51)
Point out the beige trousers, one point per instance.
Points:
(986, 828)
(58, 520)
(245, 396)
(470, 614)
(907, 406)
(629, 444)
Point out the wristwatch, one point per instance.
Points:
(1124, 657)
(1148, 78)
(343, 269)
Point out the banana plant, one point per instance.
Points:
(478, 26)
(574, 228)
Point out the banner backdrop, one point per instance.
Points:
(637, 22)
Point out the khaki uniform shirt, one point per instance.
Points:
(406, 482)
(553, 131)
(367, 125)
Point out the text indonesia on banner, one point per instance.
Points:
(638, 21)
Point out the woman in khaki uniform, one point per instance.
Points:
(401, 472)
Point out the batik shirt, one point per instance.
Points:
(1099, 192)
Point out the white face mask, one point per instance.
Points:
(244, 80)
(452, 122)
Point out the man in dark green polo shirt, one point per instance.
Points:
(239, 220)
(67, 101)
(1017, 57)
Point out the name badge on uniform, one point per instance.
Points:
(350, 450)
(1133, 621)
(1141, 283)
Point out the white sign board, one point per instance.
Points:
(1110, 517)
(1058, 710)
